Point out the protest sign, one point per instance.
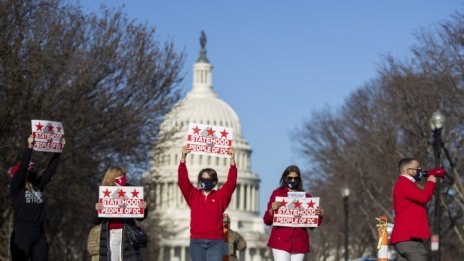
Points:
(296, 212)
(47, 135)
(209, 140)
(120, 202)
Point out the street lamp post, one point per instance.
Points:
(345, 194)
(436, 124)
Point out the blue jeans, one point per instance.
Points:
(206, 249)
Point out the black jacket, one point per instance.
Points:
(129, 252)
(29, 205)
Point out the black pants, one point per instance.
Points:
(413, 250)
(28, 243)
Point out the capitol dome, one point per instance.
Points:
(202, 106)
(207, 108)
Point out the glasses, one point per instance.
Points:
(293, 178)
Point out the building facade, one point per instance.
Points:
(168, 208)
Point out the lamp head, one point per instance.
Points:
(437, 120)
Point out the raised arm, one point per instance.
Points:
(20, 177)
(51, 168)
(231, 182)
(417, 195)
(182, 174)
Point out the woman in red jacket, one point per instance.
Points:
(207, 206)
(288, 243)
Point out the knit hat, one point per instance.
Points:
(13, 170)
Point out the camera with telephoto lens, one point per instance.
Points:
(438, 172)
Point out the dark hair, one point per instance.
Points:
(291, 168)
(211, 173)
(405, 161)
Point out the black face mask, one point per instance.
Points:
(207, 184)
(420, 174)
(292, 183)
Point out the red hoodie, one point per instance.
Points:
(206, 211)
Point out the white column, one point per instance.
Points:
(249, 198)
(232, 201)
(178, 195)
(171, 195)
(257, 198)
(240, 206)
(182, 253)
(163, 194)
(247, 254)
(171, 253)
(158, 199)
(252, 197)
(161, 253)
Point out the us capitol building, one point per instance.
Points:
(168, 222)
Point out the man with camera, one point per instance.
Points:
(411, 226)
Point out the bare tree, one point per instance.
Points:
(107, 78)
(360, 144)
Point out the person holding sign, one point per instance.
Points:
(114, 242)
(26, 190)
(207, 206)
(288, 243)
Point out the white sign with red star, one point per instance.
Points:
(120, 202)
(209, 140)
(47, 135)
(296, 212)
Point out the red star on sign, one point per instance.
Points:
(59, 129)
(135, 194)
(50, 127)
(196, 130)
(310, 204)
(121, 193)
(284, 204)
(106, 193)
(297, 204)
(39, 126)
(211, 132)
(224, 133)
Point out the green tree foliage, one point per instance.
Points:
(107, 78)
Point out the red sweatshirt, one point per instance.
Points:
(206, 211)
(410, 213)
(290, 239)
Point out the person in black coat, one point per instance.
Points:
(26, 191)
(114, 242)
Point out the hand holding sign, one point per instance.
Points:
(319, 211)
(185, 150)
(98, 206)
(232, 156)
(30, 141)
